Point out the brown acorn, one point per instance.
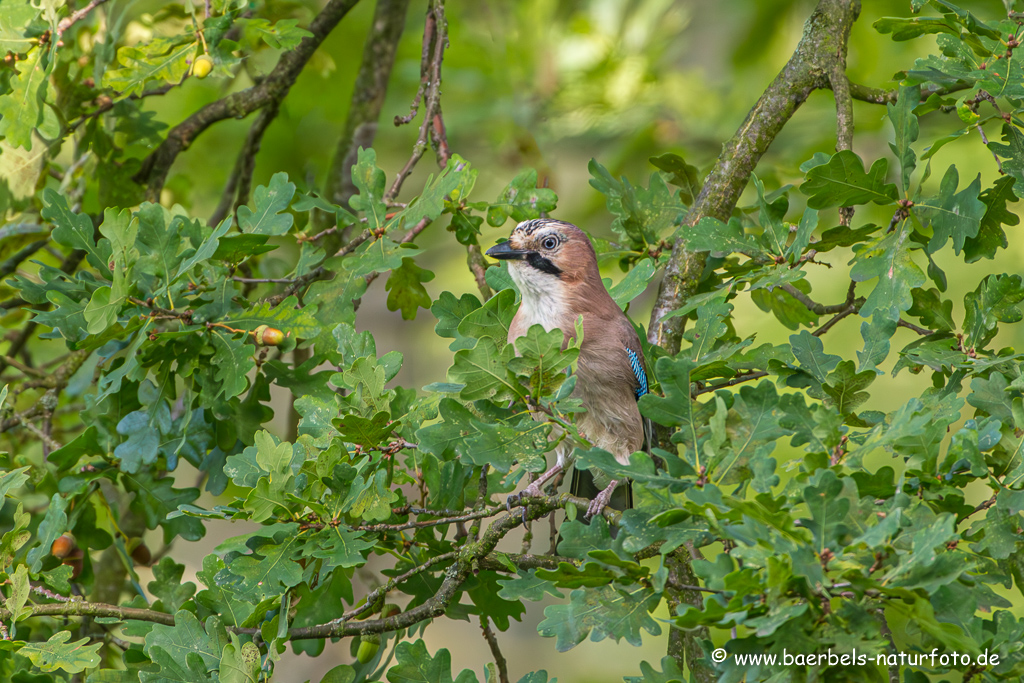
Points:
(63, 546)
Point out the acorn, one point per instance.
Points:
(268, 336)
(203, 66)
(63, 546)
(369, 645)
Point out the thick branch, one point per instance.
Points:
(236, 192)
(273, 88)
(10, 265)
(816, 60)
(823, 43)
(367, 100)
(684, 646)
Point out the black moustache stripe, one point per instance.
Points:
(543, 265)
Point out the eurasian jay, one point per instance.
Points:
(555, 267)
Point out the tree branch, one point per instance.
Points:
(236, 192)
(820, 48)
(82, 608)
(813, 306)
(911, 326)
(273, 88)
(10, 265)
(478, 266)
(817, 56)
(68, 22)
(435, 40)
(472, 557)
(368, 95)
(492, 643)
(871, 95)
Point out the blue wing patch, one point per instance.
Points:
(638, 372)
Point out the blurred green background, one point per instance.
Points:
(550, 84)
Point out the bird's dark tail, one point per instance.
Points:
(583, 486)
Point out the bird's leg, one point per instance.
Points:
(600, 501)
(533, 490)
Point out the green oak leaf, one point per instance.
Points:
(484, 371)
(600, 613)
(53, 525)
(340, 547)
(185, 651)
(406, 292)
(522, 200)
(904, 122)
(634, 284)
(953, 214)
(889, 260)
(527, 586)
(57, 653)
(161, 59)
(1012, 153)
(270, 204)
(232, 360)
(843, 182)
(415, 665)
(284, 34)
(371, 183)
(991, 237)
(368, 433)
(21, 110)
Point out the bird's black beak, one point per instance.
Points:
(505, 251)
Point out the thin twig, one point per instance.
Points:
(478, 266)
(739, 379)
(492, 642)
(264, 280)
(15, 363)
(10, 265)
(435, 34)
(911, 326)
(68, 22)
(480, 514)
(850, 310)
(813, 306)
(881, 96)
(984, 139)
(368, 95)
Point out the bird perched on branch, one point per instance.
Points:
(555, 267)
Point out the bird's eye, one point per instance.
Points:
(549, 243)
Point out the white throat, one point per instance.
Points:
(543, 296)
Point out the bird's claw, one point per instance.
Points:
(531, 491)
(598, 505)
